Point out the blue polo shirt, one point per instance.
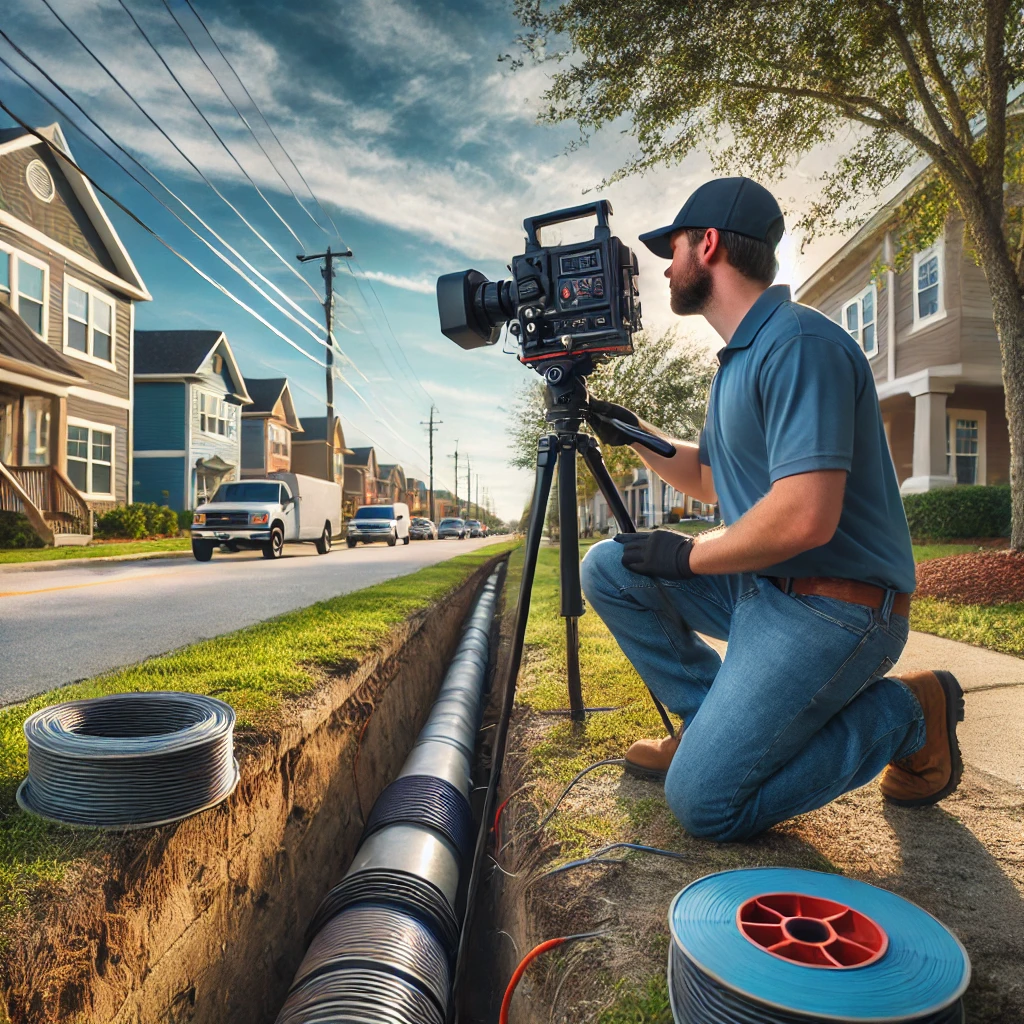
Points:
(794, 393)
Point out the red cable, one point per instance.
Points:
(521, 970)
(497, 825)
(529, 958)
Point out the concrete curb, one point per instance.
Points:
(61, 563)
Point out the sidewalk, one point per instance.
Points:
(65, 563)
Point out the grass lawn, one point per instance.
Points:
(129, 547)
(925, 552)
(255, 670)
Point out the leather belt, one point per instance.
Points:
(851, 591)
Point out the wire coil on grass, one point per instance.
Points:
(129, 760)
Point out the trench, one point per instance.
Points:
(204, 922)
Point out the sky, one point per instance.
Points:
(424, 153)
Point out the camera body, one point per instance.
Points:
(576, 303)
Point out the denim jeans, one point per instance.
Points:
(800, 710)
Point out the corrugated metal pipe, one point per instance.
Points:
(381, 943)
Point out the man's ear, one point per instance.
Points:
(709, 245)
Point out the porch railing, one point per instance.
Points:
(45, 496)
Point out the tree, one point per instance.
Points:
(760, 83)
(665, 382)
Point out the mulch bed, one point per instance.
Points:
(982, 578)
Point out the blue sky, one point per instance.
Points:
(421, 145)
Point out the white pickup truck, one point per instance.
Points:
(265, 514)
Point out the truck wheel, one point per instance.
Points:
(351, 543)
(274, 547)
(323, 545)
(393, 539)
(202, 550)
(405, 540)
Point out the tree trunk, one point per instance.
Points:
(1008, 315)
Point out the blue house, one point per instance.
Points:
(189, 395)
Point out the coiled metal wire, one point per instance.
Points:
(399, 889)
(129, 760)
(425, 800)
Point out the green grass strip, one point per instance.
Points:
(926, 552)
(999, 627)
(255, 670)
(11, 556)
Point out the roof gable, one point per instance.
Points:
(272, 397)
(96, 244)
(185, 354)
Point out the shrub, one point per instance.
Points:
(16, 532)
(184, 518)
(956, 513)
(127, 521)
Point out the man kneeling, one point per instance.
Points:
(809, 580)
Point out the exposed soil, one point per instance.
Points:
(203, 921)
(977, 578)
(963, 861)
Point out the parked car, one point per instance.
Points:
(422, 529)
(475, 528)
(266, 514)
(373, 523)
(452, 528)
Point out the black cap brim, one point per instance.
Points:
(659, 241)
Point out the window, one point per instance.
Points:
(5, 275)
(246, 491)
(31, 294)
(91, 458)
(859, 319)
(40, 181)
(279, 439)
(89, 322)
(217, 416)
(37, 431)
(965, 445)
(928, 301)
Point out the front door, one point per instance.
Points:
(8, 412)
(36, 431)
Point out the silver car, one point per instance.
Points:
(452, 528)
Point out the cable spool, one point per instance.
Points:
(787, 946)
(129, 760)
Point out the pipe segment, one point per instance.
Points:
(382, 941)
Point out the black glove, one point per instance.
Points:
(662, 553)
(599, 415)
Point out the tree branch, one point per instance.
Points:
(995, 100)
(961, 124)
(942, 130)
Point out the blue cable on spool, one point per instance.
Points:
(788, 946)
(425, 800)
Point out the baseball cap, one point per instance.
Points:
(728, 204)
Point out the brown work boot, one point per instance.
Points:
(934, 771)
(650, 759)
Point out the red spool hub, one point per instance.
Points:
(811, 931)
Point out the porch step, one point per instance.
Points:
(67, 540)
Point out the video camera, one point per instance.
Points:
(576, 303)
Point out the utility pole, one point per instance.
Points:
(478, 496)
(327, 271)
(456, 494)
(432, 426)
(469, 490)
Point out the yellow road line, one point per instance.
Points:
(79, 586)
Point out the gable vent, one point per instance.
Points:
(40, 181)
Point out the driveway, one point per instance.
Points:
(72, 622)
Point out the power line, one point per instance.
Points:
(184, 156)
(59, 154)
(262, 117)
(206, 120)
(71, 121)
(242, 117)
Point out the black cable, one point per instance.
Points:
(270, 128)
(129, 760)
(145, 113)
(206, 120)
(425, 800)
(620, 761)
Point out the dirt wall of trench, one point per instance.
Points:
(203, 922)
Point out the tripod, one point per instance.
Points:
(568, 399)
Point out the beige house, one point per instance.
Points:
(267, 427)
(929, 337)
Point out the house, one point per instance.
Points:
(267, 427)
(189, 395)
(928, 335)
(391, 483)
(312, 455)
(68, 290)
(417, 497)
(360, 479)
(649, 500)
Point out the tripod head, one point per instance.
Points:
(568, 399)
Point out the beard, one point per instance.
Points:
(692, 295)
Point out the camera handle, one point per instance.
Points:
(658, 445)
(602, 210)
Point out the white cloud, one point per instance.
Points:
(409, 284)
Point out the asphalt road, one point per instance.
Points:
(63, 624)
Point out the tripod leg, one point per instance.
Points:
(569, 568)
(592, 456)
